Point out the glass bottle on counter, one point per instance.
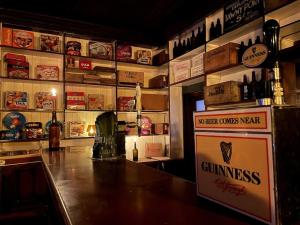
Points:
(54, 133)
(184, 48)
(188, 45)
(203, 35)
(250, 42)
(135, 153)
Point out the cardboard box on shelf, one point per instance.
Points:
(182, 70)
(131, 78)
(154, 102)
(75, 100)
(95, 101)
(221, 58)
(197, 60)
(153, 150)
(226, 92)
(23, 39)
(197, 70)
(6, 36)
(159, 81)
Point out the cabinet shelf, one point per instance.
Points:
(123, 63)
(30, 80)
(24, 140)
(15, 49)
(31, 110)
(89, 84)
(88, 110)
(189, 54)
(130, 87)
(242, 104)
(189, 81)
(89, 58)
(100, 69)
(74, 138)
(236, 33)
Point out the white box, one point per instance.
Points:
(197, 70)
(182, 75)
(181, 66)
(197, 60)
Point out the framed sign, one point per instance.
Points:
(240, 12)
(236, 170)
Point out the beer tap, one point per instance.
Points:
(271, 34)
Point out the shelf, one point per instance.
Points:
(31, 79)
(83, 137)
(190, 81)
(99, 70)
(231, 70)
(88, 110)
(89, 58)
(90, 84)
(144, 111)
(30, 50)
(23, 140)
(283, 13)
(123, 86)
(290, 54)
(189, 54)
(31, 110)
(137, 65)
(238, 32)
(150, 135)
(245, 104)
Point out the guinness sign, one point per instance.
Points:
(255, 55)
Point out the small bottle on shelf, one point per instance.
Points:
(241, 51)
(198, 38)
(212, 31)
(262, 85)
(250, 42)
(54, 134)
(179, 48)
(135, 153)
(245, 88)
(184, 49)
(203, 35)
(188, 45)
(193, 40)
(257, 40)
(218, 29)
(175, 50)
(253, 86)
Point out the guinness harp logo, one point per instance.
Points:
(226, 149)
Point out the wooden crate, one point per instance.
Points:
(227, 92)
(131, 78)
(221, 58)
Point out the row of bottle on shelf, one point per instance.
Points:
(190, 43)
(258, 89)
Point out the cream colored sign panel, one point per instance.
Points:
(253, 119)
(235, 170)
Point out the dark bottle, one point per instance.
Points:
(193, 40)
(250, 42)
(188, 45)
(198, 38)
(135, 153)
(203, 35)
(179, 48)
(241, 51)
(253, 86)
(262, 86)
(184, 49)
(212, 31)
(270, 84)
(218, 29)
(175, 50)
(257, 40)
(54, 133)
(245, 88)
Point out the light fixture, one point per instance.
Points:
(91, 130)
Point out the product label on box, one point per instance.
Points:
(182, 75)
(236, 170)
(85, 65)
(198, 70)
(197, 60)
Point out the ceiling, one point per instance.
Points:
(149, 22)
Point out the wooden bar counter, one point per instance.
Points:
(124, 192)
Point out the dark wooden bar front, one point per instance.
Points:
(123, 192)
